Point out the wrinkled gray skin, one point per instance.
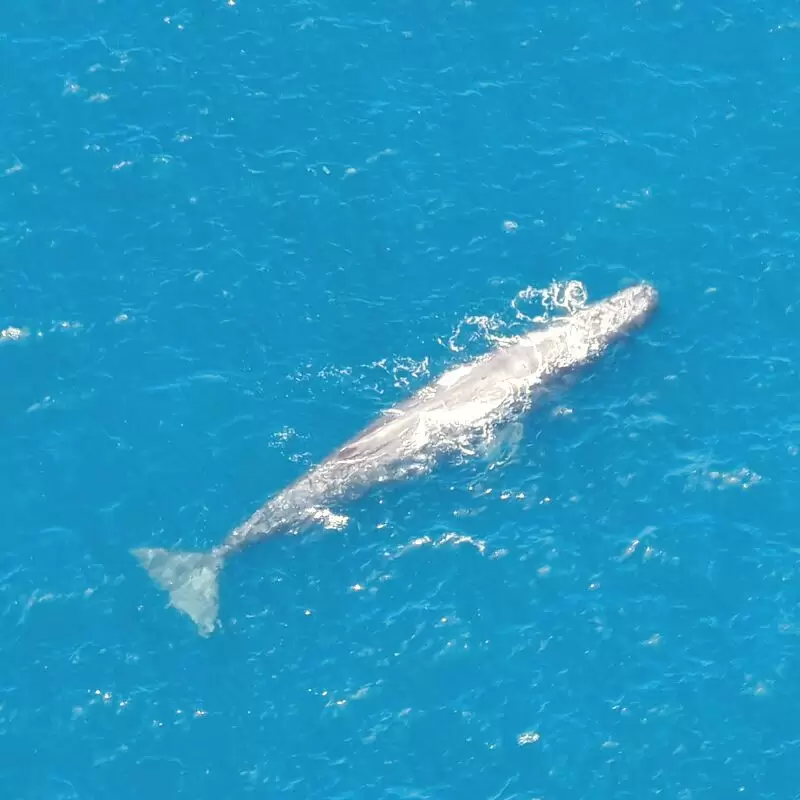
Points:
(462, 406)
(454, 413)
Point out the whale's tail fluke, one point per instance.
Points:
(191, 580)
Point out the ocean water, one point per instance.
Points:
(230, 235)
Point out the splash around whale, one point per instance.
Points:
(463, 406)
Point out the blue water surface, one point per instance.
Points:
(231, 234)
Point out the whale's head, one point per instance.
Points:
(579, 337)
(590, 330)
(625, 310)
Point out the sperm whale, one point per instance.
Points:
(465, 404)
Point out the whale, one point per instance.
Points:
(465, 406)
